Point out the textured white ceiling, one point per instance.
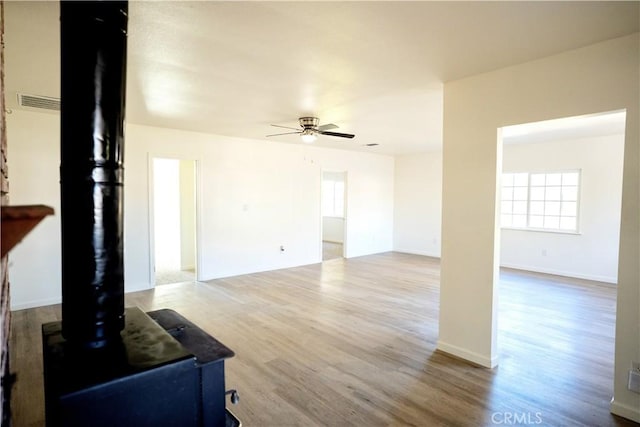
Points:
(601, 124)
(375, 69)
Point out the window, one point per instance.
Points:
(515, 194)
(333, 198)
(540, 201)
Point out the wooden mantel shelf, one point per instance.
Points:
(18, 221)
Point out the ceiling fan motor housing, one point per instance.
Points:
(309, 122)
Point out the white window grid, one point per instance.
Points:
(542, 201)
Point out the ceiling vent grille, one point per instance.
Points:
(37, 101)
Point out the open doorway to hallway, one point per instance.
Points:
(173, 220)
(334, 219)
(560, 211)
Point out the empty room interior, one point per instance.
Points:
(392, 213)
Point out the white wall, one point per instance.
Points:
(593, 253)
(254, 197)
(598, 78)
(332, 226)
(332, 229)
(35, 268)
(166, 202)
(187, 215)
(418, 203)
(418, 206)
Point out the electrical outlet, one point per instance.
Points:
(544, 252)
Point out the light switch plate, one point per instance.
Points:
(634, 381)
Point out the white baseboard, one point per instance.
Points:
(625, 411)
(58, 300)
(471, 356)
(142, 286)
(35, 303)
(605, 279)
(414, 252)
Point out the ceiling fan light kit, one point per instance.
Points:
(308, 136)
(310, 129)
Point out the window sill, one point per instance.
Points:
(543, 230)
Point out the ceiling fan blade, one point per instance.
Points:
(286, 133)
(327, 127)
(342, 135)
(286, 127)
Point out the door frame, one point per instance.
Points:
(346, 210)
(151, 213)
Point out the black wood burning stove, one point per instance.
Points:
(165, 371)
(105, 365)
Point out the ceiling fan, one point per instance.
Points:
(311, 128)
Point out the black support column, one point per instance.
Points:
(93, 87)
(104, 365)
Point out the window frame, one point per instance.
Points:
(528, 214)
(332, 183)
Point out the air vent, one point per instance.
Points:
(37, 101)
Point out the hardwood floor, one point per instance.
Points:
(331, 250)
(352, 343)
(169, 277)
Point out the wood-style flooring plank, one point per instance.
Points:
(353, 343)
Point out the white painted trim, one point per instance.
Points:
(605, 279)
(321, 234)
(344, 217)
(198, 196)
(58, 300)
(151, 219)
(346, 213)
(471, 356)
(625, 411)
(129, 288)
(251, 271)
(413, 252)
(36, 303)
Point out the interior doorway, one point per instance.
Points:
(334, 218)
(561, 196)
(173, 195)
(559, 205)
